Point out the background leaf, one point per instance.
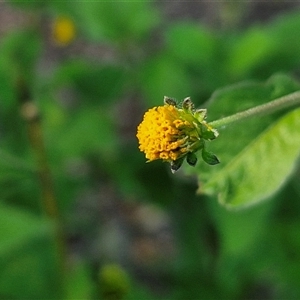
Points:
(91, 83)
(27, 256)
(162, 76)
(115, 22)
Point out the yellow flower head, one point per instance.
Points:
(63, 31)
(171, 133)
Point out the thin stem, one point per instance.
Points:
(264, 109)
(31, 115)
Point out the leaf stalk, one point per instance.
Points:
(261, 110)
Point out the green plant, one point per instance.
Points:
(83, 217)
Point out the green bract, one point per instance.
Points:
(200, 133)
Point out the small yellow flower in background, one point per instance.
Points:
(174, 133)
(63, 31)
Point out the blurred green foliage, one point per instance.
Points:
(90, 103)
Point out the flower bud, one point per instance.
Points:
(173, 134)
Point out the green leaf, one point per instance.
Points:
(79, 284)
(163, 76)
(239, 230)
(29, 4)
(199, 52)
(238, 97)
(249, 51)
(113, 21)
(20, 50)
(93, 83)
(191, 43)
(7, 86)
(262, 168)
(18, 181)
(284, 30)
(27, 259)
(236, 138)
(85, 132)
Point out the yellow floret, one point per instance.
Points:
(160, 135)
(175, 132)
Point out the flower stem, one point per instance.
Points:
(32, 117)
(264, 109)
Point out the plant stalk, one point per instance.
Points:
(30, 114)
(264, 109)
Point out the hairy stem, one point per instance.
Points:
(264, 109)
